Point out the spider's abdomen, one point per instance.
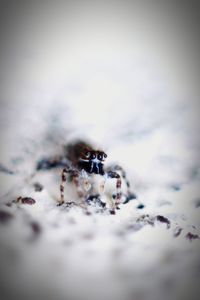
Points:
(74, 151)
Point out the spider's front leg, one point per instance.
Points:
(114, 199)
(65, 172)
(129, 194)
(80, 180)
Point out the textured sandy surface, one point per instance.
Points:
(60, 85)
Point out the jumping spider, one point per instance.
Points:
(85, 167)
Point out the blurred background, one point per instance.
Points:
(122, 74)
(110, 71)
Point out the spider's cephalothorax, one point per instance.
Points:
(83, 156)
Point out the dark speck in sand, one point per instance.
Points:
(35, 227)
(177, 231)
(190, 236)
(130, 197)
(197, 203)
(163, 219)
(38, 187)
(175, 187)
(140, 206)
(5, 170)
(5, 216)
(26, 200)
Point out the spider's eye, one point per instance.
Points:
(105, 155)
(99, 157)
(93, 155)
(87, 154)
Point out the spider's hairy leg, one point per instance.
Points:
(112, 174)
(119, 193)
(76, 181)
(124, 176)
(64, 173)
(111, 204)
(62, 188)
(130, 195)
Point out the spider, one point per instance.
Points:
(85, 167)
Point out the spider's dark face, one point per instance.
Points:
(92, 161)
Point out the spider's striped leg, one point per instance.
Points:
(129, 194)
(83, 184)
(117, 197)
(62, 185)
(63, 181)
(119, 193)
(111, 205)
(76, 181)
